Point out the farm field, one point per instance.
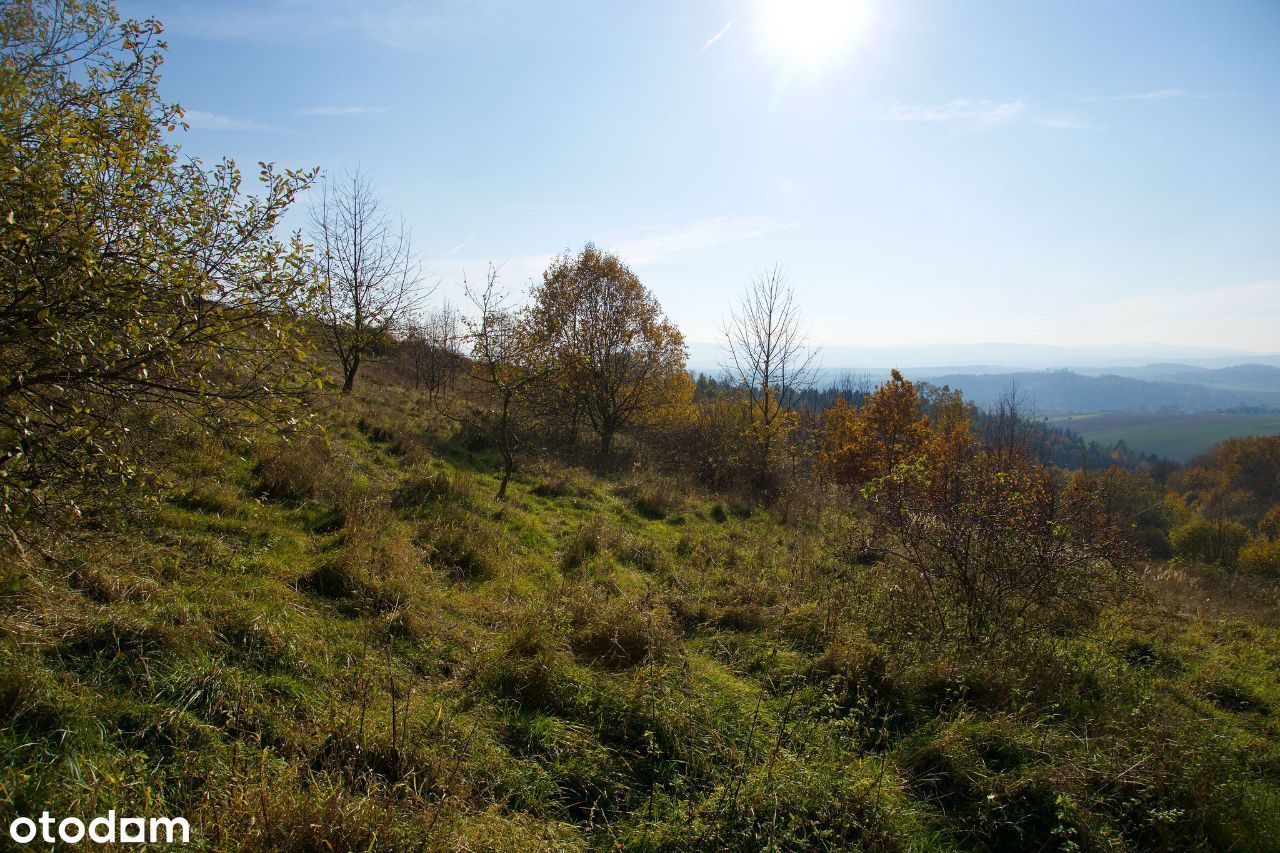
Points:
(1175, 436)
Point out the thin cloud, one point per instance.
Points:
(331, 111)
(715, 38)
(639, 247)
(957, 110)
(201, 120)
(513, 273)
(458, 248)
(1155, 95)
(1065, 123)
(663, 244)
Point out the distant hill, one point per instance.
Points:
(1239, 377)
(1068, 391)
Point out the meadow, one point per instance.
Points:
(349, 643)
(1180, 437)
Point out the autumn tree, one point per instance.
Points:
(369, 282)
(767, 355)
(891, 428)
(137, 287)
(615, 357)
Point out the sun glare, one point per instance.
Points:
(811, 34)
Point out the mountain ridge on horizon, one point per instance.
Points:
(998, 357)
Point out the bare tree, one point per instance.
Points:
(1010, 426)
(855, 386)
(369, 281)
(433, 345)
(767, 354)
(501, 362)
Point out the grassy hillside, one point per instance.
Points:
(1179, 437)
(350, 642)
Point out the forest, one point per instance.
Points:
(315, 561)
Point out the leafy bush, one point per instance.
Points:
(1261, 555)
(1217, 540)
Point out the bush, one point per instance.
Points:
(1217, 540)
(1003, 547)
(1261, 555)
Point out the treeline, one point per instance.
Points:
(1057, 445)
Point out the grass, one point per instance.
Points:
(1180, 437)
(352, 645)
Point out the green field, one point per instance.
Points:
(1175, 436)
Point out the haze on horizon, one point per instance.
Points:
(1071, 174)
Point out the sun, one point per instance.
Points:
(811, 34)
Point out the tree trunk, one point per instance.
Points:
(349, 378)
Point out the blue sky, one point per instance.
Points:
(927, 171)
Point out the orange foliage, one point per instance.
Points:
(864, 444)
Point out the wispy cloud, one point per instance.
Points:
(715, 38)
(957, 110)
(1155, 95)
(458, 248)
(638, 247)
(201, 120)
(331, 111)
(513, 273)
(992, 112)
(662, 244)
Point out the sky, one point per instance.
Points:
(926, 172)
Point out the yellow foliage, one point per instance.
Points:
(860, 445)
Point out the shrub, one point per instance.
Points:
(1261, 555)
(1217, 540)
(1003, 547)
(294, 470)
